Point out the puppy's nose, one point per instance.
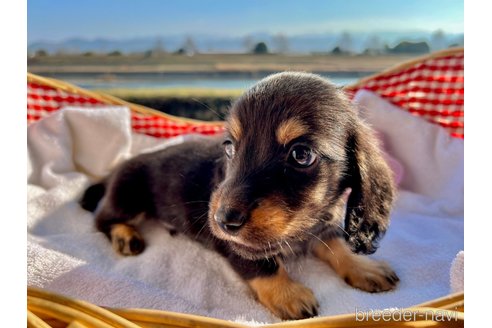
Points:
(229, 220)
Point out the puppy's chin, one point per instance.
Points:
(250, 251)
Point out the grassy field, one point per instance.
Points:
(211, 63)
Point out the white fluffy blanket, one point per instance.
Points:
(67, 255)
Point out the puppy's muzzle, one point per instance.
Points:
(230, 220)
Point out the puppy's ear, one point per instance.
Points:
(369, 204)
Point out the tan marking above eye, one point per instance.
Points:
(234, 127)
(289, 130)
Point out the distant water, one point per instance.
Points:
(159, 81)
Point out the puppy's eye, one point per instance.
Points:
(302, 156)
(229, 148)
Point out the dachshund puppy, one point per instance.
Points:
(295, 172)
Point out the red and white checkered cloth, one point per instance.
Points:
(432, 89)
(43, 100)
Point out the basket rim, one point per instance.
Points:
(451, 305)
(108, 99)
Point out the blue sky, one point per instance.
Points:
(56, 20)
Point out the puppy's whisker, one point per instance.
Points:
(287, 243)
(322, 242)
(201, 216)
(222, 117)
(281, 247)
(195, 202)
(198, 233)
(204, 225)
(195, 221)
(344, 231)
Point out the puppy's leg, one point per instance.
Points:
(274, 289)
(357, 270)
(283, 296)
(126, 240)
(124, 237)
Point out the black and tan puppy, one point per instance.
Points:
(274, 186)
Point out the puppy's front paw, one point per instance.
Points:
(293, 302)
(286, 298)
(370, 275)
(357, 270)
(126, 240)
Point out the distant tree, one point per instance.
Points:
(438, 40)
(459, 40)
(88, 54)
(345, 42)
(280, 43)
(115, 53)
(180, 51)
(40, 53)
(158, 49)
(248, 43)
(407, 47)
(339, 51)
(373, 46)
(260, 48)
(61, 52)
(189, 46)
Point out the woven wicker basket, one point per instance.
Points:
(431, 87)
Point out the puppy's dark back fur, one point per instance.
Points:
(173, 185)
